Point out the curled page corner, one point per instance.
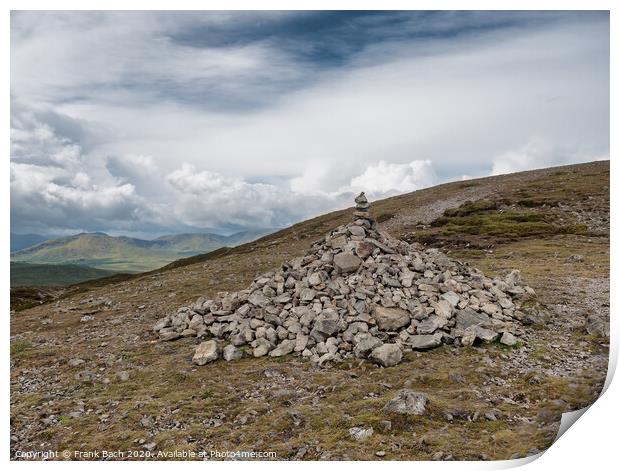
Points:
(568, 419)
(523, 461)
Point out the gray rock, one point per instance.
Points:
(206, 352)
(301, 342)
(364, 344)
(486, 335)
(407, 402)
(346, 262)
(364, 249)
(260, 351)
(431, 324)
(315, 279)
(123, 375)
(595, 325)
(357, 231)
(424, 342)
(387, 355)
(257, 298)
(307, 294)
(390, 318)
(469, 337)
(328, 322)
(360, 433)
(168, 336)
(513, 278)
(284, 348)
(491, 309)
(467, 317)
(476, 332)
(443, 308)
(231, 353)
(160, 324)
(451, 297)
(508, 339)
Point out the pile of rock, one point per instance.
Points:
(357, 293)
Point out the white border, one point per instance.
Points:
(591, 443)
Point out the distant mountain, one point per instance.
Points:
(186, 245)
(32, 274)
(127, 254)
(243, 237)
(23, 241)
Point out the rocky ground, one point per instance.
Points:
(88, 373)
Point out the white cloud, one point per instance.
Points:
(109, 104)
(540, 153)
(385, 178)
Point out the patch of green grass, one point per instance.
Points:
(19, 347)
(384, 217)
(532, 203)
(470, 207)
(64, 419)
(40, 274)
(509, 225)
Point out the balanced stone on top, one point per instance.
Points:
(361, 207)
(361, 202)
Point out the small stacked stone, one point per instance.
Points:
(361, 207)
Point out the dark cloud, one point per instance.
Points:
(152, 122)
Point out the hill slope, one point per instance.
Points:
(484, 403)
(128, 254)
(23, 241)
(32, 274)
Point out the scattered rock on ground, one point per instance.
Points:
(206, 352)
(360, 433)
(407, 402)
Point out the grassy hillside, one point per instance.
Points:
(31, 274)
(186, 245)
(485, 403)
(126, 254)
(99, 251)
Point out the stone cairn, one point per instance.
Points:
(357, 293)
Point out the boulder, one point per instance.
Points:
(284, 348)
(467, 317)
(206, 352)
(424, 342)
(389, 318)
(360, 433)
(346, 262)
(328, 322)
(388, 354)
(364, 344)
(476, 332)
(508, 339)
(431, 324)
(307, 294)
(231, 353)
(407, 402)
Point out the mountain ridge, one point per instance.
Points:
(128, 254)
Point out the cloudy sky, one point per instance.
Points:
(145, 123)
